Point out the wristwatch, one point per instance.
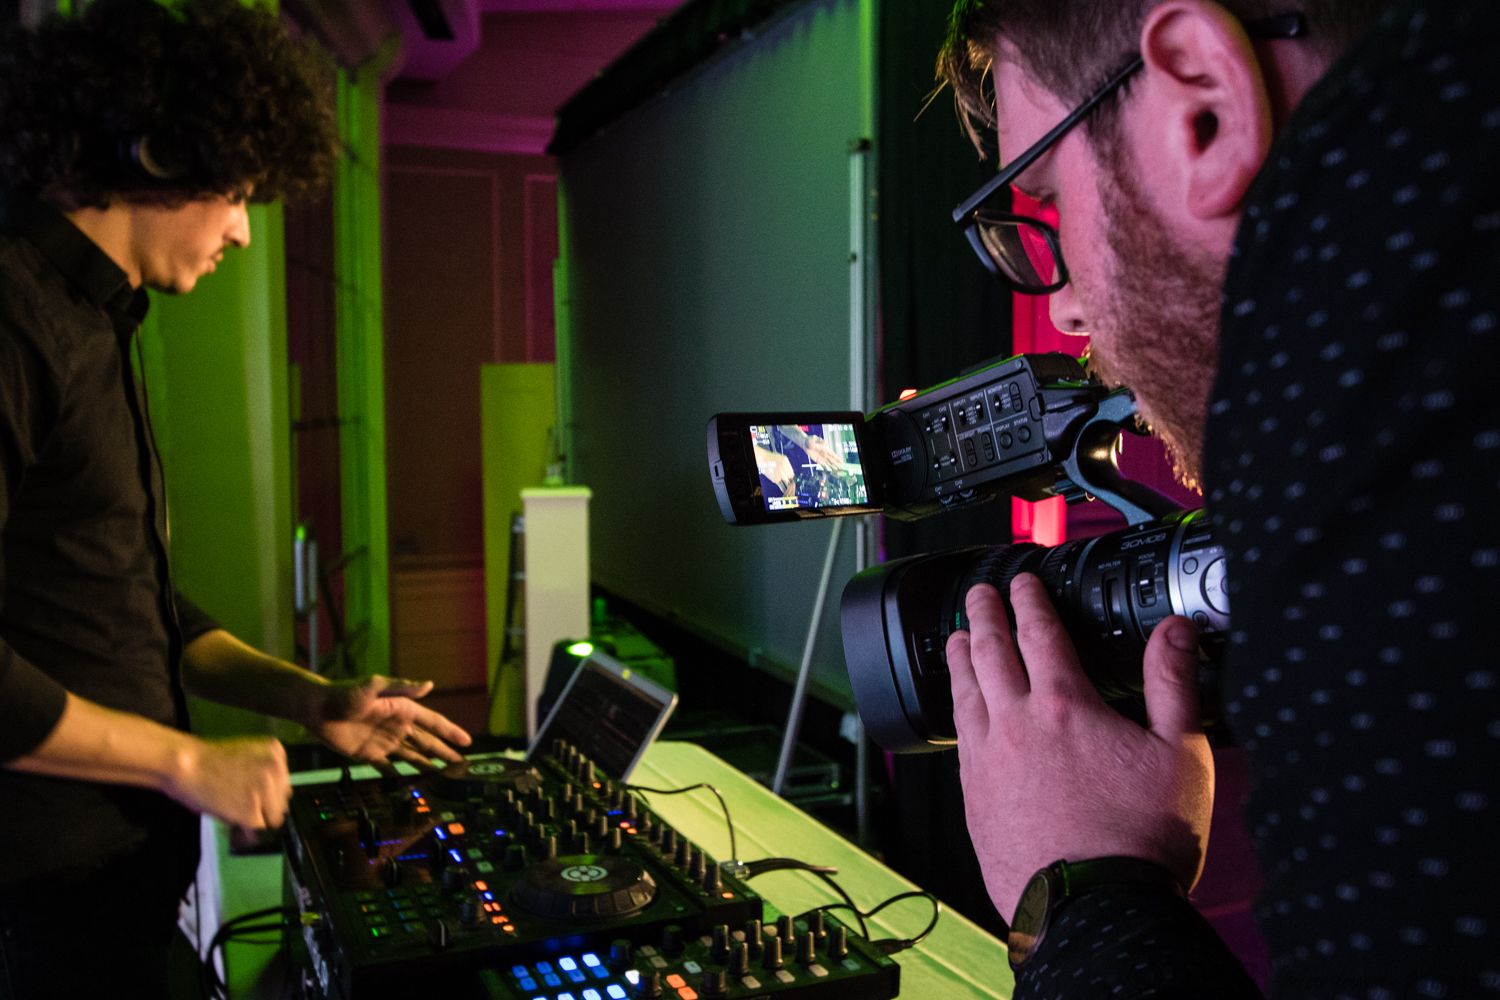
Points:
(1044, 895)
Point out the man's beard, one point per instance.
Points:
(1160, 318)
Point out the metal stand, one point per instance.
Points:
(799, 694)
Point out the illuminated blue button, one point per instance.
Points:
(489, 895)
(592, 995)
(567, 964)
(440, 833)
(577, 976)
(551, 979)
(519, 971)
(544, 967)
(601, 972)
(527, 983)
(616, 991)
(457, 858)
(416, 794)
(590, 959)
(566, 996)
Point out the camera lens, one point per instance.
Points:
(1110, 592)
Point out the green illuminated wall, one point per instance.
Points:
(361, 365)
(216, 373)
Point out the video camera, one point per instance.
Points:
(1033, 426)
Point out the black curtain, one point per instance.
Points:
(940, 313)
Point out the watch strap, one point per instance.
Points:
(1080, 876)
(1062, 880)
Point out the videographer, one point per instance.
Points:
(1281, 228)
(131, 138)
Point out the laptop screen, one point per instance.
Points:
(610, 712)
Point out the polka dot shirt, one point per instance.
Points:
(1353, 471)
(1353, 466)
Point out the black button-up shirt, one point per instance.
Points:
(86, 603)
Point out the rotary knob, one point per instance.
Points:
(753, 934)
(369, 833)
(620, 954)
(807, 949)
(718, 950)
(771, 956)
(838, 944)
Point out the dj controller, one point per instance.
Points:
(507, 880)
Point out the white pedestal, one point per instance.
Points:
(557, 579)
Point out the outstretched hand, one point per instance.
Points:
(1050, 771)
(379, 721)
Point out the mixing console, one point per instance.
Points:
(507, 880)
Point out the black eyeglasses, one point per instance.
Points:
(1025, 252)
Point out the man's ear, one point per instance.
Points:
(1210, 106)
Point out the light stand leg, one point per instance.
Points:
(799, 694)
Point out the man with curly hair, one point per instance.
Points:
(131, 139)
(1278, 221)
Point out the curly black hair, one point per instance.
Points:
(141, 102)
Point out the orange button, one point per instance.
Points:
(457, 829)
(687, 993)
(481, 886)
(676, 982)
(497, 920)
(509, 928)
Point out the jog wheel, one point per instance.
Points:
(469, 779)
(585, 886)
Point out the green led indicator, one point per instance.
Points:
(581, 649)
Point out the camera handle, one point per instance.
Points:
(1091, 468)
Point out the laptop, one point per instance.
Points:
(610, 712)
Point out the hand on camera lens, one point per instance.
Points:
(1050, 771)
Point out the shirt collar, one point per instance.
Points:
(79, 258)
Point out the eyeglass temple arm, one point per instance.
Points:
(1031, 155)
(1278, 26)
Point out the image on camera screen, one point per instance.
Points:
(808, 466)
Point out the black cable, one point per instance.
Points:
(890, 946)
(213, 985)
(768, 865)
(734, 853)
(765, 865)
(886, 946)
